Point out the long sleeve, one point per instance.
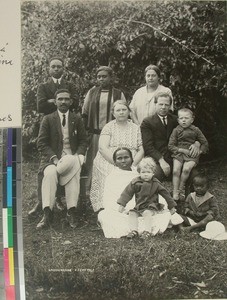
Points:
(82, 137)
(203, 141)
(214, 210)
(43, 106)
(187, 207)
(172, 146)
(166, 195)
(43, 142)
(126, 195)
(148, 139)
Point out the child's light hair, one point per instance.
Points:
(185, 110)
(148, 163)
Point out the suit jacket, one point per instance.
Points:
(50, 139)
(155, 136)
(47, 90)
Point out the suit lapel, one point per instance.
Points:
(160, 124)
(71, 122)
(169, 126)
(58, 122)
(52, 86)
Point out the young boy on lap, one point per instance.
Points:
(182, 137)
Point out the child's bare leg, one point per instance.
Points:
(133, 220)
(202, 223)
(187, 167)
(177, 166)
(147, 217)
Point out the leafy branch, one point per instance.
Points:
(168, 36)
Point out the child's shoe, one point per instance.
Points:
(176, 195)
(181, 195)
(133, 234)
(145, 235)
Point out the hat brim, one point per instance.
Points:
(219, 237)
(63, 180)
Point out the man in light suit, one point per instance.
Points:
(156, 131)
(61, 133)
(46, 90)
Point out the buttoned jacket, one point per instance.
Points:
(50, 139)
(155, 136)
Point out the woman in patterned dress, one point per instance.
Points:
(120, 132)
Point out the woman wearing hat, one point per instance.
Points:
(142, 104)
(96, 111)
(120, 132)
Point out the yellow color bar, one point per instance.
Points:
(11, 267)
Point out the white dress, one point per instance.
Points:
(142, 104)
(115, 224)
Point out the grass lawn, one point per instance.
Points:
(62, 263)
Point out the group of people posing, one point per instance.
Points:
(128, 150)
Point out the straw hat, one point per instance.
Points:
(67, 167)
(214, 231)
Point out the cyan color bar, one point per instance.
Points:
(9, 186)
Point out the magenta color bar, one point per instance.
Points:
(6, 266)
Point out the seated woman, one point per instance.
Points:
(114, 223)
(120, 132)
(142, 104)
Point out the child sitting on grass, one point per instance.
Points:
(146, 189)
(182, 137)
(200, 206)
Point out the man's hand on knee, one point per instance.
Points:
(165, 167)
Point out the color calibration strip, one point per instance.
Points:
(12, 261)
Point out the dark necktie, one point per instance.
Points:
(164, 121)
(57, 84)
(63, 121)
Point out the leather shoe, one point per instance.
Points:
(36, 209)
(46, 219)
(71, 218)
(60, 206)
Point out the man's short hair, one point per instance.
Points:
(56, 58)
(163, 94)
(107, 69)
(201, 176)
(185, 109)
(62, 91)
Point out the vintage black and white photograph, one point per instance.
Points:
(124, 144)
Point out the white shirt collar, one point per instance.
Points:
(161, 118)
(61, 115)
(55, 80)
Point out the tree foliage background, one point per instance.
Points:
(186, 39)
